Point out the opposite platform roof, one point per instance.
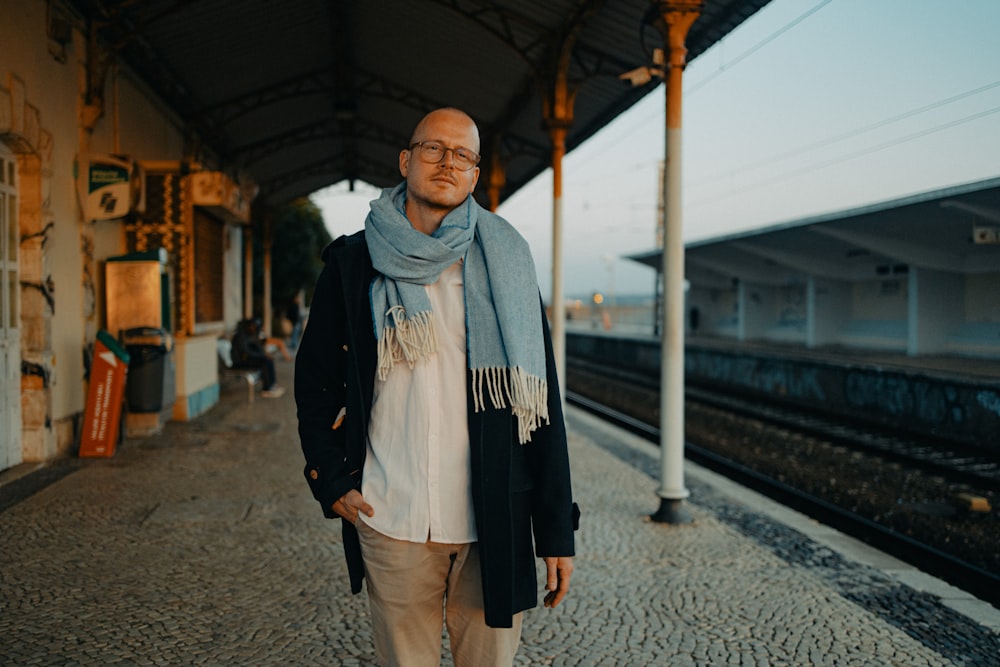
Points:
(301, 94)
(935, 230)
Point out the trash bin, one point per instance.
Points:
(150, 385)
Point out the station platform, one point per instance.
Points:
(201, 545)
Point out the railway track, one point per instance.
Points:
(939, 554)
(954, 463)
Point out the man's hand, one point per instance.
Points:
(351, 504)
(559, 571)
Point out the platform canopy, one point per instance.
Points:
(302, 94)
(952, 229)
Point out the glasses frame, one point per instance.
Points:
(444, 152)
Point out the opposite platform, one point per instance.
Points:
(202, 546)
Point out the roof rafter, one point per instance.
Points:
(321, 168)
(256, 94)
(328, 128)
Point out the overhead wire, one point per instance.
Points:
(852, 133)
(756, 47)
(643, 123)
(849, 156)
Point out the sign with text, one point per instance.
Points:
(986, 234)
(102, 417)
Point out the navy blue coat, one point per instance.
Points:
(519, 491)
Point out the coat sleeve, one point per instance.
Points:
(321, 393)
(554, 515)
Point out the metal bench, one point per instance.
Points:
(249, 375)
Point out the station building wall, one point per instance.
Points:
(45, 122)
(827, 309)
(978, 332)
(918, 312)
(717, 310)
(878, 315)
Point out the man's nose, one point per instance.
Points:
(449, 158)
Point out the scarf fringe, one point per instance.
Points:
(525, 394)
(406, 340)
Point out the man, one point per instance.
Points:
(294, 315)
(247, 352)
(430, 416)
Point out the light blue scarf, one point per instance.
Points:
(502, 314)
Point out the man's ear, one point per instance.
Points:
(475, 179)
(404, 162)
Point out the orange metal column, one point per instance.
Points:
(268, 231)
(247, 272)
(498, 176)
(558, 316)
(558, 114)
(678, 16)
(558, 119)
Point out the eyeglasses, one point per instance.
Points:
(433, 152)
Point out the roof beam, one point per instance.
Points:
(325, 167)
(328, 128)
(317, 82)
(345, 97)
(986, 212)
(805, 264)
(736, 267)
(498, 22)
(703, 276)
(145, 17)
(912, 253)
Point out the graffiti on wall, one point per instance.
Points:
(989, 400)
(770, 376)
(902, 396)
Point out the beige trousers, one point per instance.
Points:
(409, 583)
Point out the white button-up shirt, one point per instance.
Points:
(417, 472)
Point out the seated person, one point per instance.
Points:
(271, 344)
(247, 352)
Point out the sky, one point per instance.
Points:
(809, 107)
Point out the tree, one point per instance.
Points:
(298, 236)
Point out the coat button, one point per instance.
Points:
(313, 474)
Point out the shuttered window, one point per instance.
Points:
(209, 263)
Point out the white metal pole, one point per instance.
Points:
(678, 18)
(558, 316)
(672, 489)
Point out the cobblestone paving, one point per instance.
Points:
(202, 546)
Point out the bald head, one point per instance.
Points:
(450, 115)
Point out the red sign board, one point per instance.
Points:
(102, 417)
